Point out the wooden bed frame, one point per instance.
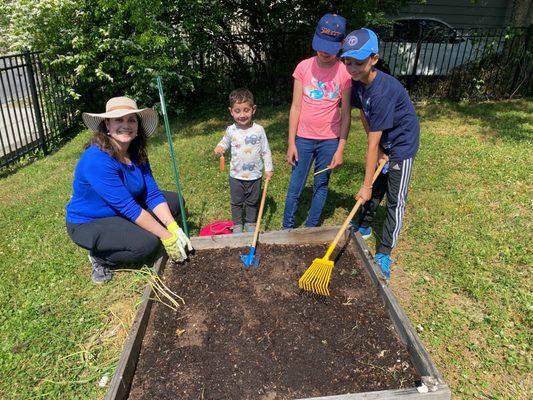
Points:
(437, 389)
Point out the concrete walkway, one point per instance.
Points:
(17, 128)
(17, 122)
(13, 83)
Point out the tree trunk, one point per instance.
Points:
(522, 14)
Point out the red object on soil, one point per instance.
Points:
(252, 334)
(217, 228)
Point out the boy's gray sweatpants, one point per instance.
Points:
(394, 184)
(244, 197)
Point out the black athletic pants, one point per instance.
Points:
(115, 241)
(244, 197)
(394, 184)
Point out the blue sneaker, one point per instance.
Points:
(365, 231)
(384, 261)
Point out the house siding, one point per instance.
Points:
(463, 13)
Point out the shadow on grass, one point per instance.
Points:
(271, 207)
(37, 154)
(216, 119)
(335, 200)
(197, 216)
(377, 223)
(503, 119)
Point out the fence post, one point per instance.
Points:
(35, 100)
(522, 57)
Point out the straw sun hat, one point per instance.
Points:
(118, 107)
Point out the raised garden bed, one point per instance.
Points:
(254, 335)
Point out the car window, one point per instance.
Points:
(406, 30)
(436, 32)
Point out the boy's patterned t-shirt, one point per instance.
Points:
(249, 149)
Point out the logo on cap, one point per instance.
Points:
(352, 41)
(330, 32)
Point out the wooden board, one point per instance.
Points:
(120, 385)
(288, 236)
(121, 382)
(399, 394)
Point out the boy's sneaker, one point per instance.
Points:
(365, 231)
(384, 261)
(249, 227)
(237, 228)
(101, 274)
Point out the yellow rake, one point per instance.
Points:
(316, 278)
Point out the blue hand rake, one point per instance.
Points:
(251, 259)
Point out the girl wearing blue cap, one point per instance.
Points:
(393, 132)
(317, 129)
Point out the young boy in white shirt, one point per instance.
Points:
(249, 152)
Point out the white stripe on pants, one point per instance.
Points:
(401, 199)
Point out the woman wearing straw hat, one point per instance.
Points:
(117, 211)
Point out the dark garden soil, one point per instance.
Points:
(252, 334)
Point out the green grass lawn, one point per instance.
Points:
(461, 270)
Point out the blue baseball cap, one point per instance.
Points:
(360, 44)
(329, 33)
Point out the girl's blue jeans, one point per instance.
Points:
(309, 150)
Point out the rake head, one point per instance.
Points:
(250, 259)
(316, 278)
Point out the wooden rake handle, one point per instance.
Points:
(260, 215)
(351, 215)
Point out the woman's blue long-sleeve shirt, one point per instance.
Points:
(105, 187)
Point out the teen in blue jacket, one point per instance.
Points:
(117, 211)
(393, 133)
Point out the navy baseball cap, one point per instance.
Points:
(360, 44)
(329, 33)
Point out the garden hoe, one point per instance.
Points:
(252, 259)
(316, 278)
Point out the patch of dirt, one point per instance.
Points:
(253, 334)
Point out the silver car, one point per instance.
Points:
(432, 45)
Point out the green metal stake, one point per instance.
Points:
(172, 156)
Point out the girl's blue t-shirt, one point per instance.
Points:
(388, 108)
(105, 187)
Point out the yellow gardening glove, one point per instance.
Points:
(175, 251)
(184, 241)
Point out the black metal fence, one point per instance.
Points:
(438, 61)
(262, 62)
(35, 111)
(431, 61)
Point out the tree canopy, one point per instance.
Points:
(116, 47)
